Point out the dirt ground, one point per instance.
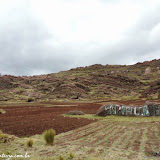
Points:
(33, 118)
(27, 120)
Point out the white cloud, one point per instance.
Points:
(86, 20)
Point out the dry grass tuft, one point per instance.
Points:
(49, 136)
(29, 143)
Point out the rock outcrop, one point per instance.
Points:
(75, 113)
(147, 71)
(147, 110)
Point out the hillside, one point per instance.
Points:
(141, 80)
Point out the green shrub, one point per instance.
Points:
(49, 136)
(2, 111)
(29, 143)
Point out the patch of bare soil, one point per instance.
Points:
(30, 120)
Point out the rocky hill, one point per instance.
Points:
(141, 80)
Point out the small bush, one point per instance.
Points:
(71, 155)
(49, 136)
(2, 111)
(29, 143)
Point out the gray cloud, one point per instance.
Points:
(140, 42)
(25, 46)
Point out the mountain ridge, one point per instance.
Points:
(141, 80)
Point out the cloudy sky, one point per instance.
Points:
(48, 36)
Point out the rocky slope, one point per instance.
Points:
(141, 80)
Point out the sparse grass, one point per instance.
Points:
(49, 136)
(93, 158)
(127, 98)
(116, 118)
(15, 104)
(3, 137)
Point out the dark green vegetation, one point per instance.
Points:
(141, 80)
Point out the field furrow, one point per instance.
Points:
(109, 142)
(137, 142)
(108, 135)
(81, 133)
(153, 140)
(93, 138)
(143, 140)
(129, 140)
(148, 146)
(123, 136)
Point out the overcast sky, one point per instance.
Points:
(48, 36)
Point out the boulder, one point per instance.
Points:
(152, 103)
(153, 108)
(102, 111)
(147, 71)
(75, 113)
(148, 109)
(158, 70)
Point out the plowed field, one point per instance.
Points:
(31, 118)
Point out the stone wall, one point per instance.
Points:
(147, 110)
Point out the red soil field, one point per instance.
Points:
(24, 120)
